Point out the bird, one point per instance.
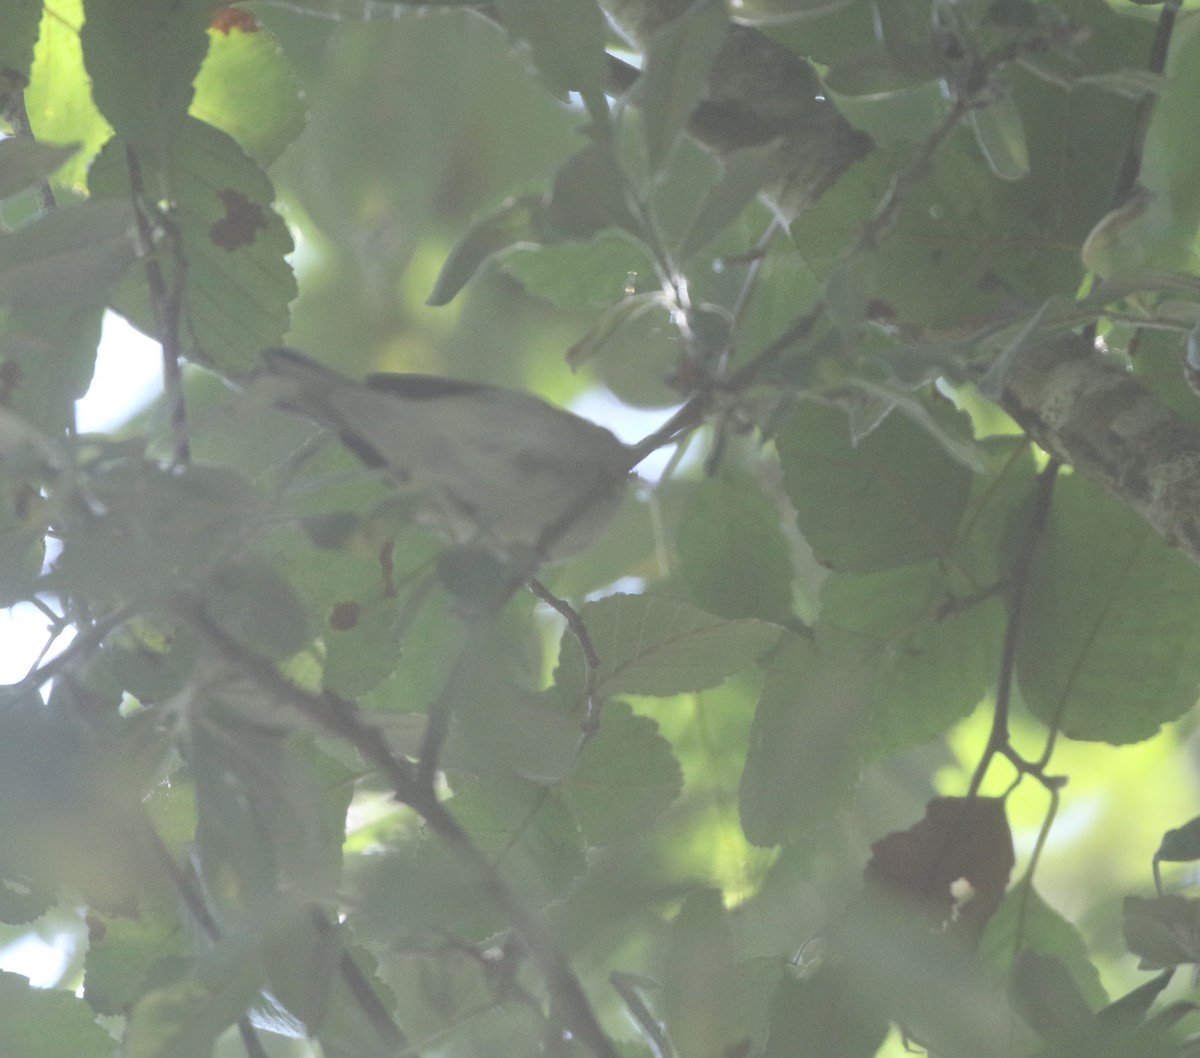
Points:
(507, 469)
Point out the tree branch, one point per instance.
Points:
(1080, 406)
(1087, 411)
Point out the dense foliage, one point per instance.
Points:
(911, 286)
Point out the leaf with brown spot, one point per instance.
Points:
(227, 19)
(240, 225)
(954, 864)
(344, 616)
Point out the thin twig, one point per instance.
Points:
(998, 739)
(195, 903)
(167, 301)
(84, 643)
(340, 719)
(577, 628)
(905, 180)
(1156, 63)
(437, 730)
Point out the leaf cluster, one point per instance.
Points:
(313, 779)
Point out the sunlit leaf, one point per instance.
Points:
(244, 61)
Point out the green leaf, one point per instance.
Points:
(566, 39)
(158, 530)
(184, 1018)
(825, 1016)
(270, 812)
(45, 1023)
(904, 27)
(895, 498)
(1045, 996)
(1162, 931)
(421, 656)
(658, 646)
(418, 891)
(743, 174)
(514, 223)
(701, 999)
(501, 724)
(824, 232)
(59, 99)
(733, 554)
(142, 57)
(423, 890)
(1000, 134)
(72, 255)
(256, 606)
(350, 1027)
(1156, 230)
(625, 777)
(127, 957)
(245, 62)
(932, 660)
(590, 193)
(1111, 616)
(614, 319)
(1180, 844)
(1044, 930)
(527, 833)
(21, 18)
(594, 274)
(67, 793)
(674, 75)
(808, 740)
(24, 163)
(232, 244)
(301, 950)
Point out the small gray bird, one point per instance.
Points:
(507, 468)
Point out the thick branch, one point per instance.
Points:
(1086, 410)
